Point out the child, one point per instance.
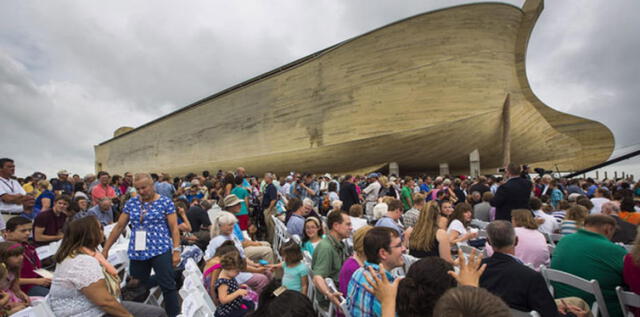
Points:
(295, 272)
(230, 294)
(213, 268)
(11, 257)
(18, 230)
(5, 308)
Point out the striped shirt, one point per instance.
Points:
(568, 227)
(360, 302)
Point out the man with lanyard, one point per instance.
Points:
(329, 256)
(383, 247)
(11, 193)
(155, 239)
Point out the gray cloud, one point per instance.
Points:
(72, 72)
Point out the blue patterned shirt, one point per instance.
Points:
(154, 223)
(360, 302)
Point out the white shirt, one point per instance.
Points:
(550, 224)
(372, 191)
(10, 186)
(597, 204)
(285, 189)
(357, 223)
(456, 225)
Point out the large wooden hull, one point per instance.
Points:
(422, 91)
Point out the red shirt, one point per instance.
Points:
(99, 191)
(31, 262)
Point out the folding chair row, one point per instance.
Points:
(343, 301)
(599, 307)
(196, 296)
(627, 299)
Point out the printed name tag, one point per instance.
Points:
(141, 240)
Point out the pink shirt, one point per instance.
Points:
(348, 268)
(99, 191)
(531, 248)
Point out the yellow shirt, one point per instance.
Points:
(28, 187)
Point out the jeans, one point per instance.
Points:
(164, 275)
(38, 290)
(140, 309)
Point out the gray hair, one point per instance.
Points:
(307, 202)
(609, 208)
(222, 218)
(501, 234)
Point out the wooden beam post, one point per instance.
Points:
(506, 131)
(474, 163)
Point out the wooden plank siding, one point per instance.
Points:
(421, 91)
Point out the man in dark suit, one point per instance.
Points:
(518, 285)
(514, 194)
(348, 193)
(625, 231)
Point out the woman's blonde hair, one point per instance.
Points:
(222, 218)
(523, 218)
(44, 184)
(424, 232)
(383, 181)
(358, 240)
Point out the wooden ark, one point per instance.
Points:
(425, 90)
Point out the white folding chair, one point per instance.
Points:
(518, 313)
(311, 289)
(627, 299)
(599, 307)
(192, 267)
(551, 247)
(194, 305)
(343, 301)
(193, 284)
(556, 237)
(296, 239)
(549, 239)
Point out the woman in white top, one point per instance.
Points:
(459, 221)
(79, 286)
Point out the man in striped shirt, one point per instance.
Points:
(383, 247)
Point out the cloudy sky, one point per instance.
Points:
(71, 72)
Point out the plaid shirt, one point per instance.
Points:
(360, 302)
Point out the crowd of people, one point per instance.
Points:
(357, 231)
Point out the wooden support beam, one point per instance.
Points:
(506, 131)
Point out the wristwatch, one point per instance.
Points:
(179, 249)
